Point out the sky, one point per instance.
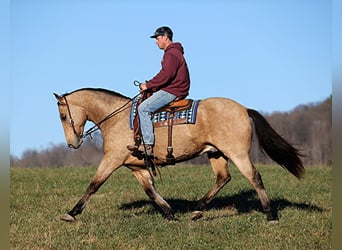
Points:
(267, 55)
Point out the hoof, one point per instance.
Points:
(272, 218)
(171, 217)
(196, 215)
(68, 218)
(275, 221)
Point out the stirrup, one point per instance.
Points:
(149, 149)
(141, 149)
(132, 147)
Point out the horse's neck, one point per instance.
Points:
(98, 106)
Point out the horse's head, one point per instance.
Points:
(73, 118)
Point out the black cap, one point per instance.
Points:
(162, 31)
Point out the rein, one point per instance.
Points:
(118, 110)
(97, 126)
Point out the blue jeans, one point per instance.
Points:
(158, 100)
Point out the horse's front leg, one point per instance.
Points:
(145, 179)
(105, 169)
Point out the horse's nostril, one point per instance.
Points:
(70, 146)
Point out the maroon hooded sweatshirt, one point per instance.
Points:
(174, 76)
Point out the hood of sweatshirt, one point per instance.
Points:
(177, 46)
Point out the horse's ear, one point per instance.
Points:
(59, 98)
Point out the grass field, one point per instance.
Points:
(120, 215)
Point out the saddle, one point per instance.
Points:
(171, 109)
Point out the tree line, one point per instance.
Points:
(307, 127)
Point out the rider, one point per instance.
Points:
(171, 83)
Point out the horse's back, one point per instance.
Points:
(219, 107)
(223, 119)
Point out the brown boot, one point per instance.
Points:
(141, 148)
(132, 147)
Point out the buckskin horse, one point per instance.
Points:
(223, 130)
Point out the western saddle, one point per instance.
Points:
(177, 105)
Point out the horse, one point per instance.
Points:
(223, 130)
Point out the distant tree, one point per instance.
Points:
(308, 127)
(89, 154)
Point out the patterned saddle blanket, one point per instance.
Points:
(160, 118)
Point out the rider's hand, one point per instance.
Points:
(143, 87)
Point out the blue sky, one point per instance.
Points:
(267, 55)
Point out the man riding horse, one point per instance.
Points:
(170, 84)
(223, 130)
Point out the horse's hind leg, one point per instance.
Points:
(219, 165)
(145, 179)
(248, 170)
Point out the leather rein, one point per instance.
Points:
(97, 125)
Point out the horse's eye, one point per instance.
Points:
(63, 117)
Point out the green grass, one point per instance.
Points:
(120, 215)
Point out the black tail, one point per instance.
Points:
(275, 146)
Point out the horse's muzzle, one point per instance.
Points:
(73, 146)
(76, 144)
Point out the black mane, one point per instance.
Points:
(107, 91)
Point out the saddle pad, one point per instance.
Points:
(187, 116)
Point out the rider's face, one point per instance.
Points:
(161, 41)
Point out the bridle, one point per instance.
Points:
(69, 112)
(96, 126)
